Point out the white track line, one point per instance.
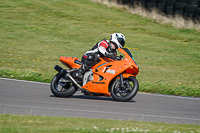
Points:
(103, 112)
(33, 82)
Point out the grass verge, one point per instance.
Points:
(24, 124)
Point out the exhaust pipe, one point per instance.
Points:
(65, 73)
(60, 70)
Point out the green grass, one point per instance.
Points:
(27, 124)
(33, 34)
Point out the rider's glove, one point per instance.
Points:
(111, 55)
(119, 57)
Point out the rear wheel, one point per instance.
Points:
(127, 92)
(62, 87)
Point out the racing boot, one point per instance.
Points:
(79, 73)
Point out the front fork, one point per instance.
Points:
(122, 80)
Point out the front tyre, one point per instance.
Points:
(62, 87)
(130, 89)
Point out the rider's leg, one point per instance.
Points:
(88, 60)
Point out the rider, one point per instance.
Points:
(103, 48)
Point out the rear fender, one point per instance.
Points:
(69, 62)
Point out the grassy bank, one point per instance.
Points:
(33, 34)
(24, 124)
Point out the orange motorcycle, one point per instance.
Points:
(116, 78)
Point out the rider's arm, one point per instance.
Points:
(102, 47)
(103, 51)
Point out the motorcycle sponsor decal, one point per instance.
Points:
(104, 69)
(98, 82)
(110, 71)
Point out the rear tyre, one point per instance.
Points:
(62, 87)
(128, 92)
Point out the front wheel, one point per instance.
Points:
(126, 93)
(62, 87)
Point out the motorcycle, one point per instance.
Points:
(115, 78)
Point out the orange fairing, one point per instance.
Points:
(69, 62)
(105, 71)
(134, 69)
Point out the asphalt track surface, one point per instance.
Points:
(34, 98)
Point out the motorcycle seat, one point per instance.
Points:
(78, 62)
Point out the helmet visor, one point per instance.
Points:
(121, 41)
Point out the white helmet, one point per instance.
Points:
(118, 39)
